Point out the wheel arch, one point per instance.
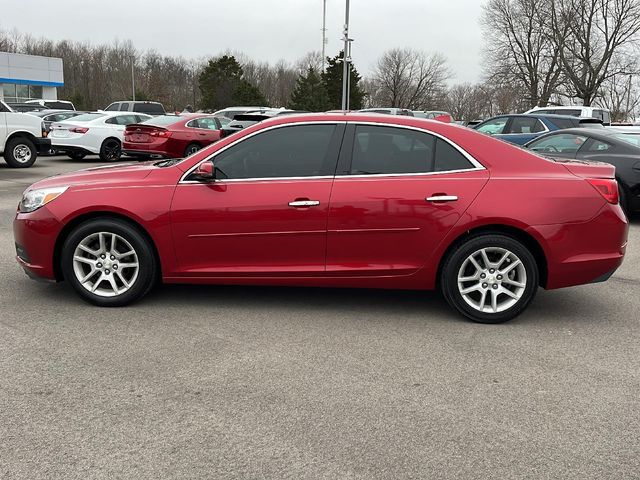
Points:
(519, 234)
(78, 220)
(21, 133)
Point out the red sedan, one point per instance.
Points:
(172, 136)
(341, 200)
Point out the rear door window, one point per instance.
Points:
(526, 125)
(381, 150)
(124, 107)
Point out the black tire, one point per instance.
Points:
(76, 155)
(20, 152)
(191, 149)
(110, 150)
(455, 260)
(147, 272)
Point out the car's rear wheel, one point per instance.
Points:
(20, 153)
(191, 149)
(109, 262)
(490, 278)
(110, 150)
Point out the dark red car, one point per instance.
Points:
(341, 200)
(172, 136)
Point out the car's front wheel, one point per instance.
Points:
(20, 153)
(109, 262)
(490, 278)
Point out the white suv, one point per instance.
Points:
(21, 137)
(602, 114)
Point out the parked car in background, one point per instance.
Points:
(172, 136)
(616, 147)
(99, 133)
(26, 107)
(332, 201)
(444, 117)
(50, 116)
(388, 111)
(148, 108)
(602, 114)
(231, 112)
(522, 128)
(21, 137)
(250, 118)
(53, 104)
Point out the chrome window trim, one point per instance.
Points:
(476, 164)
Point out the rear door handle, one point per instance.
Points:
(442, 198)
(304, 203)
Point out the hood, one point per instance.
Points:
(121, 174)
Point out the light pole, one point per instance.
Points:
(324, 33)
(133, 78)
(345, 58)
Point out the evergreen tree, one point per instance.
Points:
(332, 79)
(222, 85)
(310, 93)
(247, 94)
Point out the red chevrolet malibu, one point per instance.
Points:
(340, 200)
(172, 136)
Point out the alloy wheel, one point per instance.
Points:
(492, 280)
(105, 264)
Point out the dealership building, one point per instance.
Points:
(29, 77)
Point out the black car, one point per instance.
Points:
(617, 147)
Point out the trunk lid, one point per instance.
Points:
(584, 169)
(140, 133)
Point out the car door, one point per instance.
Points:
(396, 195)
(560, 145)
(209, 129)
(266, 212)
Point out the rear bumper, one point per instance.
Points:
(157, 148)
(35, 234)
(582, 253)
(69, 145)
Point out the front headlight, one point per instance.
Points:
(34, 199)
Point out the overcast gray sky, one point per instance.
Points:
(263, 29)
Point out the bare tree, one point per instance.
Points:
(406, 78)
(520, 51)
(594, 38)
(621, 96)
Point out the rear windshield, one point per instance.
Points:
(150, 108)
(87, 117)
(163, 120)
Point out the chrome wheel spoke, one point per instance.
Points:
(511, 266)
(508, 292)
(88, 250)
(485, 258)
(120, 256)
(85, 260)
(103, 244)
(508, 281)
(474, 288)
(122, 279)
(483, 299)
(97, 283)
(494, 301)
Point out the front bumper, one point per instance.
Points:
(43, 145)
(35, 235)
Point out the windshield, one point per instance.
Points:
(163, 120)
(632, 138)
(87, 117)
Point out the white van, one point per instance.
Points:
(602, 114)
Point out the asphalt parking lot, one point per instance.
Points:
(238, 382)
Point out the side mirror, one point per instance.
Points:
(205, 172)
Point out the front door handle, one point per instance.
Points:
(442, 198)
(304, 203)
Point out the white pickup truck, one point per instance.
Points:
(21, 137)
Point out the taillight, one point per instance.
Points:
(160, 134)
(79, 130)
(608, 188)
